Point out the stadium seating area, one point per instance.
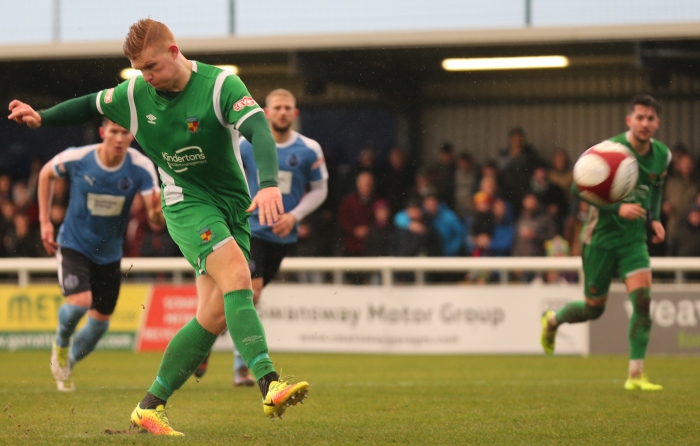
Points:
(517, 203)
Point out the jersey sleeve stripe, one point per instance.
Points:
(57, 165)
(77, 153)
(98, 103)
(69, 156)
(217, 96)
(134, 123)
(316, 148)
(248, 115)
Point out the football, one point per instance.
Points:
(606, 173)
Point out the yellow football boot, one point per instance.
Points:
(154, 421)
(641, 383)
(281, 395)
(548, 337)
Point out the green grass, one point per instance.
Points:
(362, 399)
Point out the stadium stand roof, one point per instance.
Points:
(392, 40)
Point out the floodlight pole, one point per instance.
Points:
(528, 13)
(56, 22)
(232, 17)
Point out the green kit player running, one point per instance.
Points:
(188, 117)
(614, 241)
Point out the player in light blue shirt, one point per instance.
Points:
(103, 181)
(301, 167)
(303, 180)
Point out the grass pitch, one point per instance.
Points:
(362, 399)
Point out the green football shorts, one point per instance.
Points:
(200, 228)
(599, 266)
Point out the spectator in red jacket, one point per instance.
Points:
(356, 215)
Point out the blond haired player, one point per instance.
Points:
(188, 116)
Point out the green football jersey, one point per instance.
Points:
(193, 138)
(604, 227)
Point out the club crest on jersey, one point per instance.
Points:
(206, 235)
(245, 101)
(293, 160)
(125, 183)
(193, 124)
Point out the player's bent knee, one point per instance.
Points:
(242, 279)
(213, 322)
(237, 278)
(598, 301)
(641, 301)
(641, 279)
(99, 316)
(594, 312)
(83, 299)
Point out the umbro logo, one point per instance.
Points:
(151, 119)
(252, 339)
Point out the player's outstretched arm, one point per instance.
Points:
(70, 112)
(23, 113)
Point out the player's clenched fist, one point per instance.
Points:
(23, 113)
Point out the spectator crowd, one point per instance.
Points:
(515, 204)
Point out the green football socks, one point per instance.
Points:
(640, 324)
(247, 332)
(186, 350)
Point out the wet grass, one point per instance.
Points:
(362, 399)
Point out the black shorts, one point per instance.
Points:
(265, 258)
(77, 273)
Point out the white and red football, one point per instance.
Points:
(606, 173)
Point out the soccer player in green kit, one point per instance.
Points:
(188, 116)
(614, 239)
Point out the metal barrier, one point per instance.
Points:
(385, 266)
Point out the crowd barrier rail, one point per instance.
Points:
(385, 266)
(390, 317)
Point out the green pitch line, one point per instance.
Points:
(361, 399)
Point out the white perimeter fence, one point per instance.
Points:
(386, 266)
(415, 318)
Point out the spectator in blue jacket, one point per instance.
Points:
(504, 229)
(499, 241)
(445, 222)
